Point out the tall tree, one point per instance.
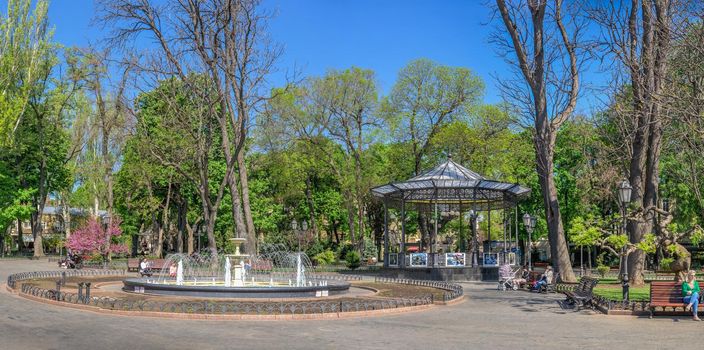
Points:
(638, 36)
(344, 104)
(425, 97)
(177, 130)
(540, 47)
(25, 41)
(226, 40)
(109, 125)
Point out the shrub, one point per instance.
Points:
(602, 270)
(91, 238)
(325, 258)
(353, 260)
(343, 250)
(315, 249)
(665, 264)
(369, 249)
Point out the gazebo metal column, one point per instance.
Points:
(435, 231)
(515, 208)
(402, 253)
(503, 223)
(386, 235)
(488, 222)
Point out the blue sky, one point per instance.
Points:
(380, 35)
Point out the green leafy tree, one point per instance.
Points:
(25, 42)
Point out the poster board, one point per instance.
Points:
(455, 259)
(393, 259)
(419, 259)
(491, 259)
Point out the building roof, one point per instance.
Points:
(52, 210)
(450, 185)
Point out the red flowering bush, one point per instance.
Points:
(92, 238)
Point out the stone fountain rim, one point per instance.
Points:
(333, 285)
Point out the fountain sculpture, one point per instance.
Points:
(278, 274)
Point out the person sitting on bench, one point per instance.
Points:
(690, 294)
(522, 276)
(144, 269)
(545, 279)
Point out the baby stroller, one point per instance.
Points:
(507, 277)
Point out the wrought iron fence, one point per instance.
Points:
(236, 307)
(14, 278)
(246, 308)
(452, 290)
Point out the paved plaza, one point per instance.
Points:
(487, 319)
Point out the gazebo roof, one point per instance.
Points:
(450, 185)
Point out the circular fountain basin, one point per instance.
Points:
(219, 290)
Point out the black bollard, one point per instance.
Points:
(58, 290)
(63, 278)
(80, 292)
(87, 292)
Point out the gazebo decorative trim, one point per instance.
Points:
(451, 184)
(447, 187)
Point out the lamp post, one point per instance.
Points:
(529, 222)
(624, 196)
(299, 233)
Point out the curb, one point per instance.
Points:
(185, 316)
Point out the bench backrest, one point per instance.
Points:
(263, 265)
(131, 262)
(665, 292)
(586, 284)
(153, 263)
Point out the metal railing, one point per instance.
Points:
(22, 276)
(453, 291)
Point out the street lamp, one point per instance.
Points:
(624, 196)
(299, 233)
(529, 222)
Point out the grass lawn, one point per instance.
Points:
(610, 288)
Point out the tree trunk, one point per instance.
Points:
(36, 222)
(655, 38)
(246, 208)
(66, 213)
(241, 229)
(558, 245)
(350, 222)
(182, 223)
(164, 222)
(336, 233)
(210, 232)
(189, 245)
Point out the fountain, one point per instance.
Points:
(278, 274)
(179, 273)
(228, 274)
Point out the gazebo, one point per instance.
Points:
(449, 189)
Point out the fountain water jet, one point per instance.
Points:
(277, 274)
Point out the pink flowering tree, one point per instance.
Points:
(93, 238)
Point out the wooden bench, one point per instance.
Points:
(263, 265)
(582, 295)
(132, 264)
(552, 286)
(667, 295)
(154, 264)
